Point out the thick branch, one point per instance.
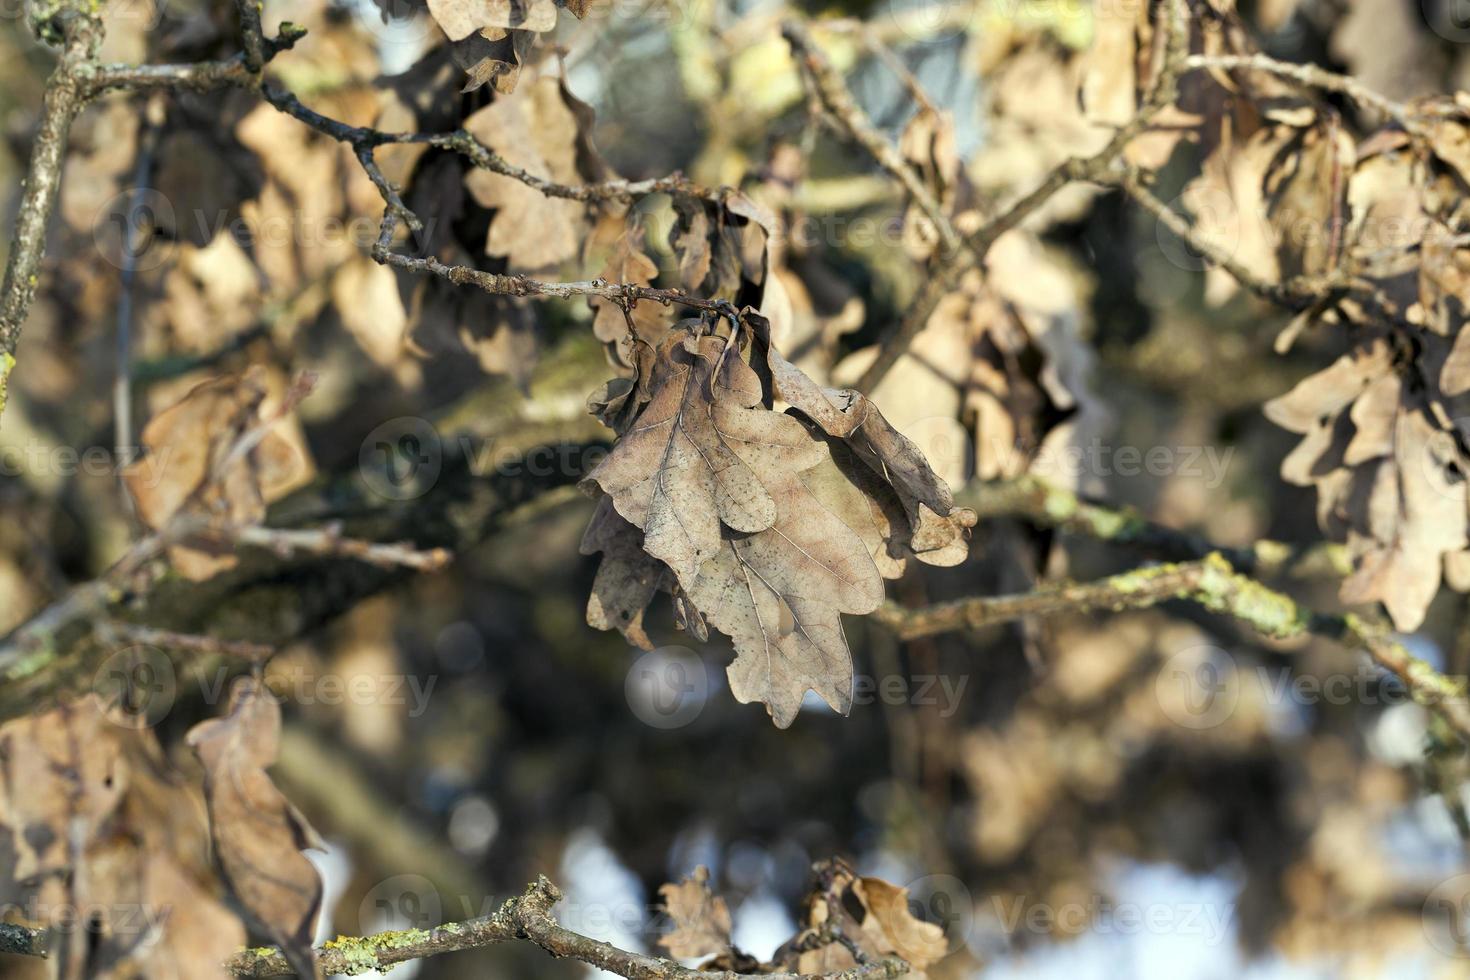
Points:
(65, 96)
(1213, 584)
(525, 918)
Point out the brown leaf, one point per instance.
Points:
(98, 823)
(461, 18)
(492, 57)
(533, 129)
(189, 465)
(626, 579)
(771, 529)
(645, 322)
(258, 835)
(701, 919)
(1416, 515)
(690, 462)
(871, 914)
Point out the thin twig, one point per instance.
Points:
(516, 285)
(838, 101)
(117, 630)
(1163, 90)
(1306, 74)
(327, 541)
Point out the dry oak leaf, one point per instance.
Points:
(1416, 516)
(626, 579)
(779, 595)
(646, 322)
(701, 919)
(461, 18)
(64, 778)
(535, 129)
(192, 463)
(99, 824)
(938, 531)
(258, 835)
(1389, 479)
(772, 524)
(689, 463)
(871, 913)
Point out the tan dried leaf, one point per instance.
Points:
(626, 579)
(190, 464)
(771, 526)
(461, 18)
(690, 462)
(534, 129)
(870, 913)
(701, 919)
(258, 835)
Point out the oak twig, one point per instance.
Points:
(524, 918)
(1214, 585)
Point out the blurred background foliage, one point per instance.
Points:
(1287, 839)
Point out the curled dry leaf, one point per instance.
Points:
(192, 463)
(870, 914)
(490, 37)
(1383, 427)
(769, 524)
(96, 823)
(701, 919)
(642, 324)
(258, 835)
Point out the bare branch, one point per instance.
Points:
(1173, 21)
(527, 917)
(1306, 74)
(838, 101)
(1213, 584)
(65, 97)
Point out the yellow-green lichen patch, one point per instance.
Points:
(358, 955)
